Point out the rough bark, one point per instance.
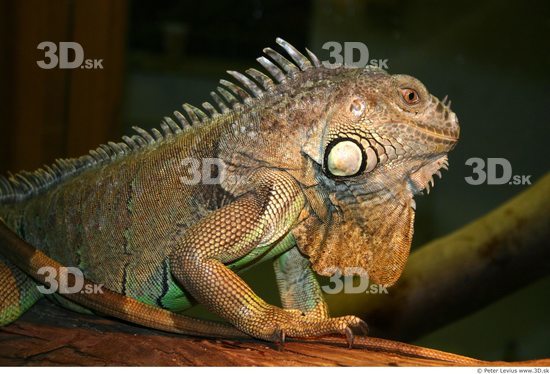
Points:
(49, 335)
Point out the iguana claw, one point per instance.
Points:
(349, 337)
(279, 337)
(363, 327)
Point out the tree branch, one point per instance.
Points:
(50, 335)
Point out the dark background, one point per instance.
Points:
(491, 58)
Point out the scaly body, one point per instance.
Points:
(317, 171)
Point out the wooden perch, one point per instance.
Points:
(49, 335)
(464, 271)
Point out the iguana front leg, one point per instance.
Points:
(255, 219)
(298, 286)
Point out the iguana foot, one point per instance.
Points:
(276, 324)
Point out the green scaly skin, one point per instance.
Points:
(132, 217)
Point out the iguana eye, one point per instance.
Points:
(344, 158)
(410, 96)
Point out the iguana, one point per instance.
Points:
(312, 167)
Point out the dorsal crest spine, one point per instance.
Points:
(229, 97)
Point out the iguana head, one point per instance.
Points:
(387, 132)
(383, 139)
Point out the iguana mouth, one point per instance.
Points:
(430, 131)
(422, 178)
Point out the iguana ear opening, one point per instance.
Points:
(373, 239)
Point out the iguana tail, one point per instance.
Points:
(30, 260)
(18, 292)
